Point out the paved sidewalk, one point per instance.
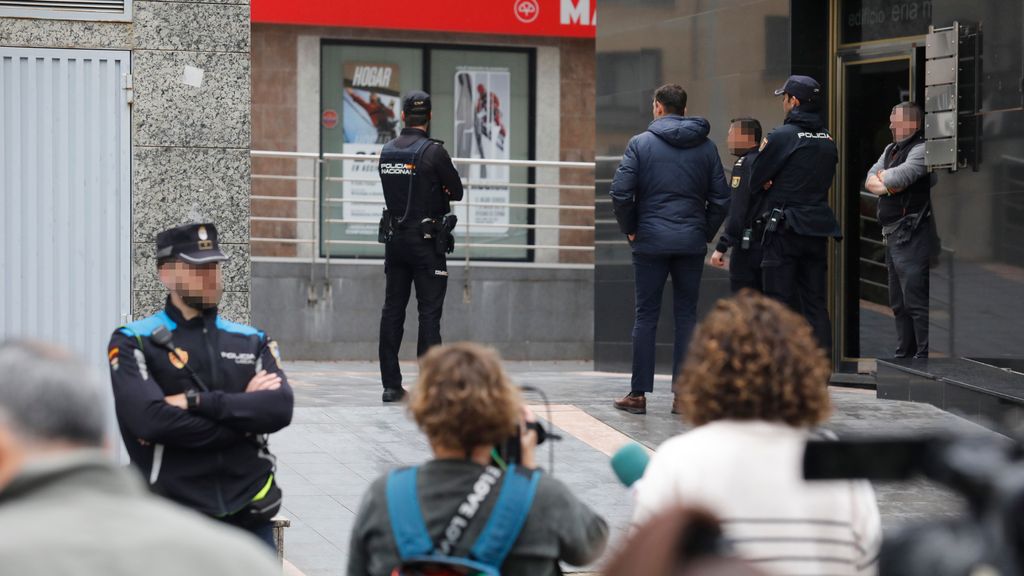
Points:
(343, 437)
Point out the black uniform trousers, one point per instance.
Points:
(908, 291)
(745, 269)
(410, 260)
(794, 270)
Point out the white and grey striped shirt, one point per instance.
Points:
(749, 474)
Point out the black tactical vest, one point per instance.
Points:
(408, 194)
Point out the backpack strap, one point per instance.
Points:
(508, 516)
(407, 524)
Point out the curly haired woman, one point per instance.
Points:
(755, 384)
(465, 404)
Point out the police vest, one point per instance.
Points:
(407, 193)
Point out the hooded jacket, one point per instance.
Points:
(670, 187)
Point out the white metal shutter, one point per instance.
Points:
(65, 206)
(107, 10)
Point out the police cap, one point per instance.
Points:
(416, 102)
(805, 88)
(192, 243)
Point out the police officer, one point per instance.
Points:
(419, 182)
(196, 395)
(792, 174)
(745, 262)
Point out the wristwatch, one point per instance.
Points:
(192, 398)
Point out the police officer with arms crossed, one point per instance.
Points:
(196, 395)
(790, 180)
(745, 262)
(900, 180)
(419, 183)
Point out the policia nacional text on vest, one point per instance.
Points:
(419, 182)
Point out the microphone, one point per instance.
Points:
(629, 463)
(161, 336)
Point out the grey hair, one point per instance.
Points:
(913, 108)
(48, 395)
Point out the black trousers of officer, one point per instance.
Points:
(794, 270)
(908, 291)
(745, 269)
(410, 260)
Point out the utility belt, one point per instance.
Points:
(770, 222)
(437, 230)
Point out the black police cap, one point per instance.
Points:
(416, 102)
(192, 243)
(805, 88)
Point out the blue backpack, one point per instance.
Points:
(418, 553)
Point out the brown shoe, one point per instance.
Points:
(632, 404)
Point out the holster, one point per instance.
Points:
(386, 228)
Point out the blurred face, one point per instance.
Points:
(903, 122)
(198, 285)
(740, 140)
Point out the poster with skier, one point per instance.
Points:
(482, 103)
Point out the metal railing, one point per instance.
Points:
(304, 236)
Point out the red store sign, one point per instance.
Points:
(562, 18)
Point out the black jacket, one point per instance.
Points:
(799, 158)
(437, 182)
(208, 458)
(669, 188)
(740, 209)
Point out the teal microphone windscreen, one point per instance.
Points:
(629, 463)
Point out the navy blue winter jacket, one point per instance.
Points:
(670, 188)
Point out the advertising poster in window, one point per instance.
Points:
(372, 116)
(482, 102)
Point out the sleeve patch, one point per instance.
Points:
(735, 181)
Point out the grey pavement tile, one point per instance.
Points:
(343, 438)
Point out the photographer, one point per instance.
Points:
(754, 384)
(465, 405)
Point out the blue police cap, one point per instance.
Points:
(192, 243)
(416, 102)
(805, 88)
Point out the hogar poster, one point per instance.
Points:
(371, 117)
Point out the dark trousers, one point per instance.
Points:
(794, 270)
(745, 269)
(409, 260)
(908, 292)
(651, 271)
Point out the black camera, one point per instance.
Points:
(989, 473)
(511, 451)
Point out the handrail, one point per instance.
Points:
(300, 227)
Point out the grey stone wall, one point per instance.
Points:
(190, 144)
(526, 313)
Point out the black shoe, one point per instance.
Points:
(393, 395)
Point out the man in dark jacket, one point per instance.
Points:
(670, 197)
(790, 180)
(196, 395)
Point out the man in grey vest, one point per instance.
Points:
(900, 180)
